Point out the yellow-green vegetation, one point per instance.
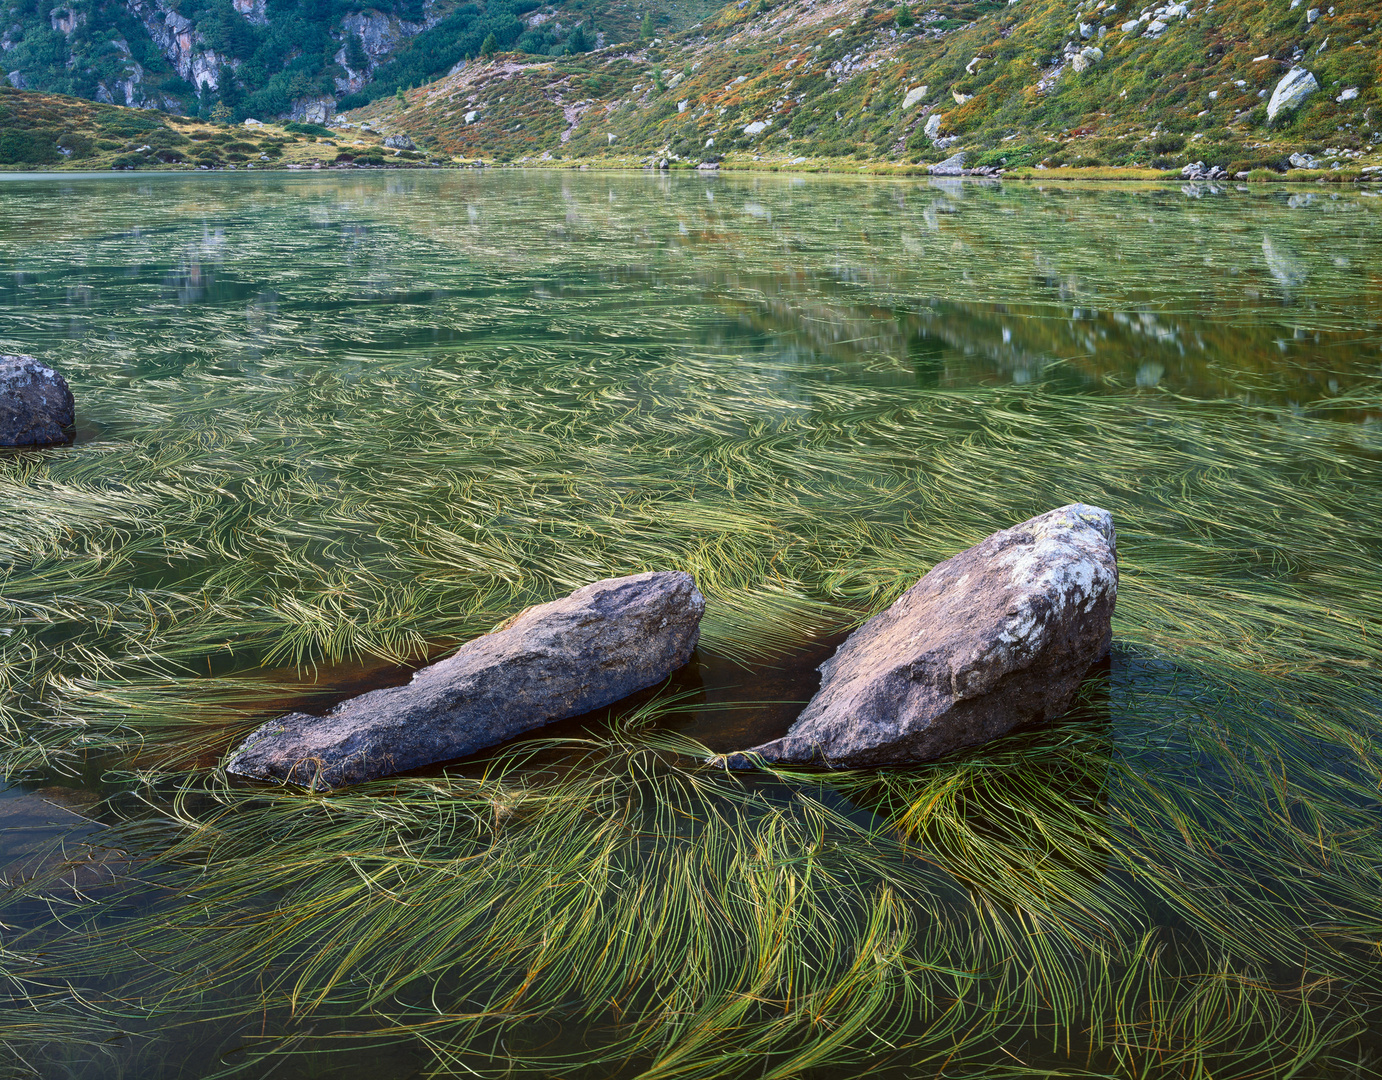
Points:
(809, 83)
(831, 80)
(52, 131)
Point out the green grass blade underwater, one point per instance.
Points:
(329, 427)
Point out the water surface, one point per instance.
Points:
(331, 425)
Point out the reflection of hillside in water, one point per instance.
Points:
(807, 320)
(945, 285)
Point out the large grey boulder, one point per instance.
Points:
(35, 403)
(954, 165)
(560, 659)
(997, 636)
(1293, 88)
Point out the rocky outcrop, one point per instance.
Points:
(555, 660)
(313, 110)
(179, 40)
(1295, 86)
(399, 142)
(36, 405)
(997, 636)
(378, 35)
(255, 11)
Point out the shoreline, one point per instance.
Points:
(814, 168)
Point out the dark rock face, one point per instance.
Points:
(35, 403)
(590, 649)
(994, 637)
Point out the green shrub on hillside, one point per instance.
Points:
(36, 146)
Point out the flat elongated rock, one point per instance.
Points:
(999, 635)
(600, 644)
(36, 403)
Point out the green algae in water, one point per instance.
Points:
(330, 426)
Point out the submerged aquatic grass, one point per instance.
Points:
(351, 423)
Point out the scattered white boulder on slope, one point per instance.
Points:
(1295, 86)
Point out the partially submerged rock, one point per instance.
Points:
(36, 405)
(997, 636)
(556, 660)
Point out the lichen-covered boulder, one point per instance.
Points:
(954, 165)
(997, 636)
(600, 644)
(36, 405)
(1292, 89)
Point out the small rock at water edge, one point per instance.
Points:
(556, 660)
(999, 635)
(954, 165)
(36, 403)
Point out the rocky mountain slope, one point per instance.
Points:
(1037, 83)
(289, 58)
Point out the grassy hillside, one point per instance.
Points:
(828, 79)
(50, 131)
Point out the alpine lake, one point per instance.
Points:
(330, 425)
